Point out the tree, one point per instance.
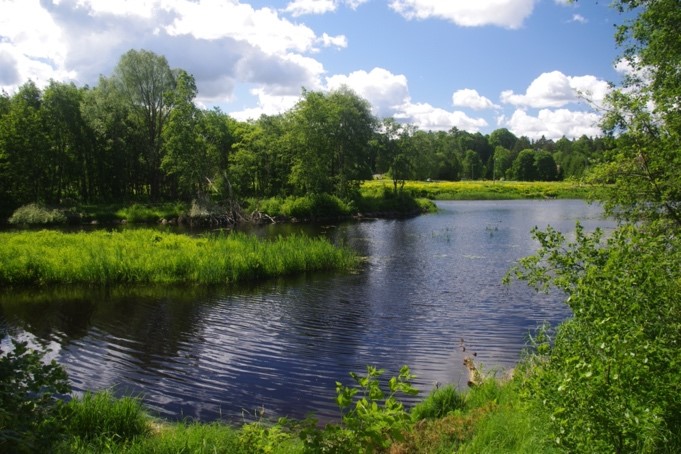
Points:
(502, 138)
(545, 165)
(502, 161)
(645, 166)
(472, 165)
(70, 141)
(331, 133)
(184, 154)
(523, 167)
(145, 80)
(23, 147)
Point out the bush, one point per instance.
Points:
(610, 378)
(34, 214)
(30, 417)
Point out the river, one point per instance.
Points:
(279, 347)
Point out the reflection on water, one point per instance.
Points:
(211, 353)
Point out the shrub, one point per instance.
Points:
(34, 214)
(371, 422)
(610, 379)
(30, 418)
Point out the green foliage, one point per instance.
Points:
(30, 418)
(610, 378)
(438, 403)
(372, 416)
(101, 415)
(34, 214)
(149, 256)
(257, 438)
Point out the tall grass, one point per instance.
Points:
(149, 256)
(101, 415)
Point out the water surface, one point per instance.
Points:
(204, 353)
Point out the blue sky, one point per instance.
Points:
(477, 65)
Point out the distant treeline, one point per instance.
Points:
(138, 136)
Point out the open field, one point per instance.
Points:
(487, 190)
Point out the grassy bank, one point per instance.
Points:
(487, 190)
(148, 256)
(489, 418)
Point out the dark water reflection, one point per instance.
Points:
(212, 353)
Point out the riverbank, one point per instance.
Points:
(493, 414)
(377, 200)
(145, 256)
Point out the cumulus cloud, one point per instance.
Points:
(31, 45)
(388, 94)
(384, 90)
(223, 43)
(472, 99)
(552, 124)
(555, 89)
(502, 13)
(430, 118)
(268, 104)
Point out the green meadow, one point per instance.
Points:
(488, 190)
(152, 257)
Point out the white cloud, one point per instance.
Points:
(31, 45)
(467, 13)
(429, 118)
(472, 99)
(301, 7)
(384, 90)
(298, 8)
(555, 89)
(579, 18)
(339, 41)
(223, 43)
(552, 124)
(388, 94)
(213, 19)
(268, 104)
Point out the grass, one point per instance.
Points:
(487, 190)
(490, 418)
(151, 257)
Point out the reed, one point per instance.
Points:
(148, 256)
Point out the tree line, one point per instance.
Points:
(139, 136)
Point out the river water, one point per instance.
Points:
(279, 347)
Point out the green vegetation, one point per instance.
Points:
(372, 420)
(149, 256)
(34, 214)
(137, 137)
(489, 190)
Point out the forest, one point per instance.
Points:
(138, 136)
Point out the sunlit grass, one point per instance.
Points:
(148, 256)
(486, 190)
